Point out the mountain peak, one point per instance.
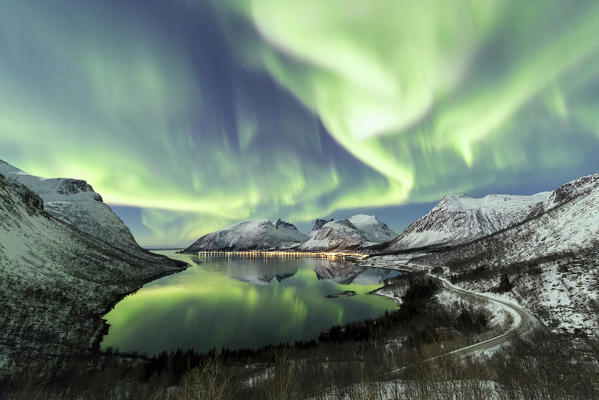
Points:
(281, 223)
(357, 231)
(363, 218)
(319, 223)
(374, 230)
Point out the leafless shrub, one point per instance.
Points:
(448, 378)
(208, 381)
(547, 366)
(282, 382)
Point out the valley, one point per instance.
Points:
(492, 273)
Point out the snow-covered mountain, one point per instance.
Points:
(374, 230)
(251, 235)
(460, 218)
(355, 232)
(75, 202)
(551, 259)
(56, 281)
(570, 225)
(336, 235)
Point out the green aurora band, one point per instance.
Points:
(424, 97)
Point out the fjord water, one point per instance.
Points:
(235, 303)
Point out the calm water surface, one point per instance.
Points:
(243, 303)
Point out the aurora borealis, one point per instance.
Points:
(190, 115)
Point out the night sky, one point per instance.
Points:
(188, 116)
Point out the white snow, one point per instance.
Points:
(494, 203)
(357, 231)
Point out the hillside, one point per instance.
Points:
(551, 259)
(74, 201)
(57, 281)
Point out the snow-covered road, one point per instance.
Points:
(523, 323)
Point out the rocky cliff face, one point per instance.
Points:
(570, 190)
(251, 235)
(56, 280)
(319, 223)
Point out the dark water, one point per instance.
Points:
(243, 303)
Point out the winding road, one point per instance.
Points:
(523, 323)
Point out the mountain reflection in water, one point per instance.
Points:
(243, 303)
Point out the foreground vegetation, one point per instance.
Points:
(352, 362)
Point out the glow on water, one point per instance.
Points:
(238, 302)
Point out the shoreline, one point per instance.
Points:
(95, 348)
(346, 255)
(97, 342)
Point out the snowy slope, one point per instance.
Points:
(56, 281)
(372, 228)
(459, 219)
(75, 202)
(259, 234)
(552, 259)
